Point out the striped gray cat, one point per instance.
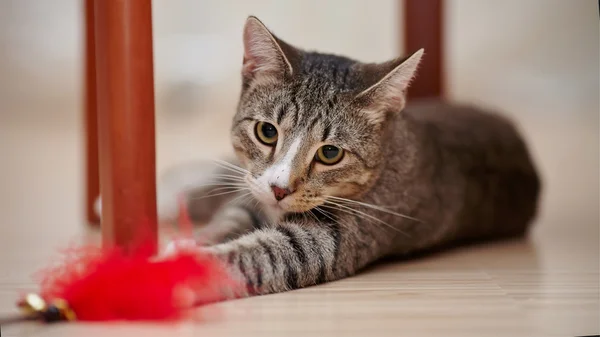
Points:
(333, 174)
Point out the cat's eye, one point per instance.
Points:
(329, 154)
(266, 133)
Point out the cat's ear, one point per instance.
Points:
(263, 53)
(387, 83)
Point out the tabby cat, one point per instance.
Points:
(334, 174)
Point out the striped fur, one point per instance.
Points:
(411, 180)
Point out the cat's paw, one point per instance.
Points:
(176, 246)
(218, 286)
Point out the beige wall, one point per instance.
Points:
(197, 60)
(534, 59)
(538, 61)
(526, 56)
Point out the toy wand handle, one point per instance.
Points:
(19, 318)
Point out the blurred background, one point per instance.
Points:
(535, 60)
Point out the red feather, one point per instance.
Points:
(108, 284)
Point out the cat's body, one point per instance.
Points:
(340, 176)
(469, 178)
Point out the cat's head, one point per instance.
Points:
(310, 125)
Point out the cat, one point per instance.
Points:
(334, 174)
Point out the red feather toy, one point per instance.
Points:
(96, 284)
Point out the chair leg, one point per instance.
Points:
(91, 116)
(125, 80)
(423, 28)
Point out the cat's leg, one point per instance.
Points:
(230, 222)
(288, 256)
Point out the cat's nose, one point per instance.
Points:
(279, 192)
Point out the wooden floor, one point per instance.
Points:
(547, 285)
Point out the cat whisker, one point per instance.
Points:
(256, 203)
(229, 176)
(356, 212)
(314, 217)
(304, 216)
(224, 162)
(230, 166)
(259, 205)
(248, 200)
(218, 194)
(239, 197)
(253, 183)
(370, 219)
(223, 183)
(330, 216)
(225, 188)
(231, 181)
(353, 211)
(378, 208)
(231, 169)
(240, 182)
(216, 184)
(327, 214)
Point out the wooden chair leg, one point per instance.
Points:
(423, 28)
(125, 80)
(91, 116)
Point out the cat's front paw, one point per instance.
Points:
(219, 284)
(175, 246)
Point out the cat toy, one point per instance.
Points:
(106, 284)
